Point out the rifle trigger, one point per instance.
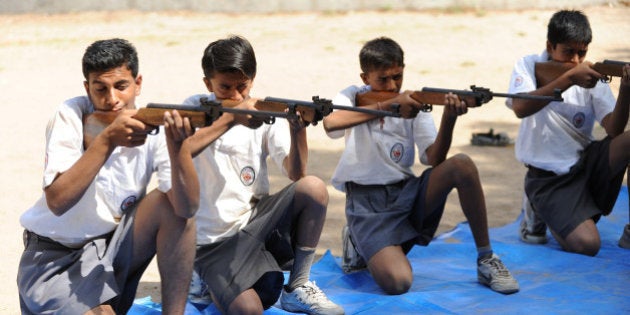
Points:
(606, 79)
(154, 131)
(270, 120)
(427, 108)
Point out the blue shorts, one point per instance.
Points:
(384, 215)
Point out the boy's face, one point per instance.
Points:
(567, 52)
(233, 86)
(114, 89)
(386, 79)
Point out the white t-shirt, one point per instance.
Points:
(380, 156)
(552, 138)
(231, 171)
(120, 183)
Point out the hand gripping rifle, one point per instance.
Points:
(428, 97)
(550, 70)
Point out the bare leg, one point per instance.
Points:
(391, 270)
(101, 310)
(584, 239)
(460, 172)
(248, 302)
(311, 200)
(158, 230)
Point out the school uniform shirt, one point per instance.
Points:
(118, 186)
(380, 153)
(233, 172)
(552, 138)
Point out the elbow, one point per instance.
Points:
(187, 212)
(297, 176)
(519, 115)
(519, 112)
(55, 206)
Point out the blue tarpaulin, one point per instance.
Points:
(445, 280)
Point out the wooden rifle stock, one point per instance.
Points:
(426, 98)
(548, 71)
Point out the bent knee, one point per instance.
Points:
(393, 281)
(396, 285)
(461, 166)
(312, 186)
(583, 245)
(587, 247)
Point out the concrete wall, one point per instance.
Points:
(275, 6)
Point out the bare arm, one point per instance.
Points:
(343, 119)
(184, 192)
(582, 75)
(205, 136)
(437, 152)
(295, 163)
(615, 122)
(68, 187)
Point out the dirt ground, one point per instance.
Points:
(299, 56)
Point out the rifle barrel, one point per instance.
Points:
(325, 103)
(529, 96)
(487, 95)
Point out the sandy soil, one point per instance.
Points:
(299, 55)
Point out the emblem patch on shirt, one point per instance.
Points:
(248, 175)
(396, 152)
(578, 120)
(518, 81)
(128, 203)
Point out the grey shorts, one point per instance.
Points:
(53, 278)
(252, 258)
(588, 191)
(384, 215)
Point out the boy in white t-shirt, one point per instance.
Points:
(388, 208)
(572, 179)
(245, 235)
(94, 231)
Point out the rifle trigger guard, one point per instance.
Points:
(427, 108)
(606, 79)
(154, 131)
(270, 120)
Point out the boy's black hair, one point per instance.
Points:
(569, 26)
(232, 54)
(379, 53)
(107, 54)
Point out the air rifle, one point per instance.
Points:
(321, 107)
(428, 97)
(550, 70)
(153, 116)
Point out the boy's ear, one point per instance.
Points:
(364, 78)
(549, 48)
(208, 84)
(138, 84)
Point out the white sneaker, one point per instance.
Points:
(308, 299)
(198, 292)
(492, 272)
